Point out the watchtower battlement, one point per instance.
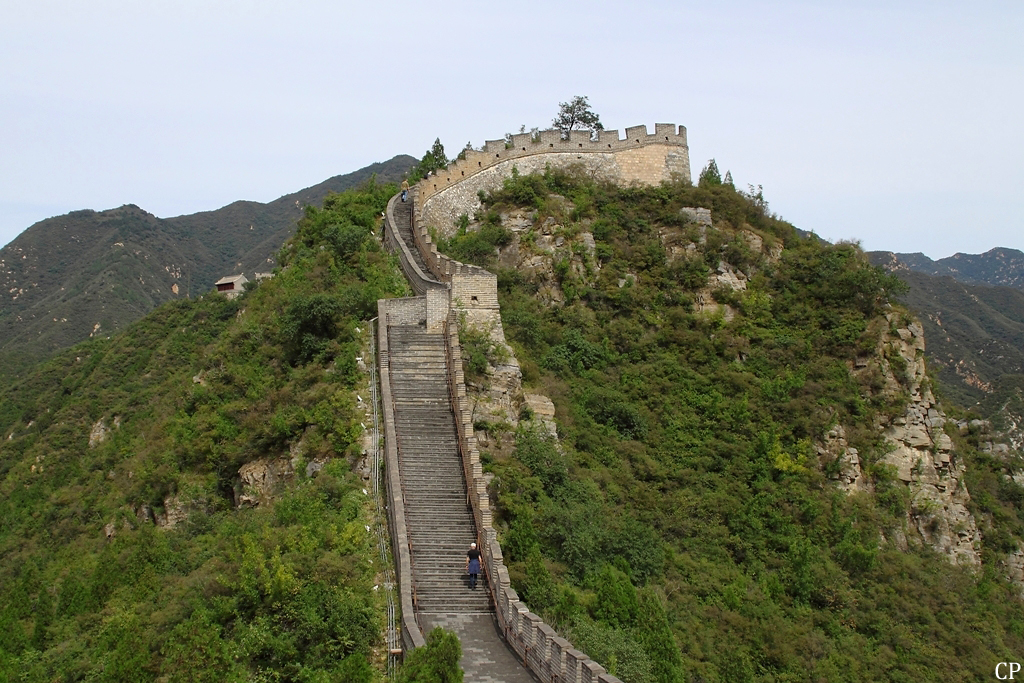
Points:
(546, 140)
(639, 157)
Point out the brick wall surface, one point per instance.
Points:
(436, 309)
(408, 311)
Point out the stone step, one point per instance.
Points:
(425, 498)
(439, 522)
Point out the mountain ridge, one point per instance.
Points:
(88, 272)
(974, 323)
(1001, 266)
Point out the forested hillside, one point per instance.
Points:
(91, 273)
(182, 501)
(689, 525)
(131, 549)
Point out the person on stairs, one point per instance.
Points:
(472, 564)
(405, 189)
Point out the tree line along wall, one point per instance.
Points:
(640, 157)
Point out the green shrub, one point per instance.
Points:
(436, 662)
(615, 602)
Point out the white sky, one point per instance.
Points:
(895, 123)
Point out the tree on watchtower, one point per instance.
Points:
(576, 114)
(432, 160)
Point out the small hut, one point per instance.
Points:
(231, 285)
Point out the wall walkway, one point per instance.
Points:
(438, 496)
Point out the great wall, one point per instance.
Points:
(437, 495)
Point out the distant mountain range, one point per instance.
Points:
(999, 266)
(89, 273)
(972, 309)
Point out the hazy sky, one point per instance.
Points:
(895, 123)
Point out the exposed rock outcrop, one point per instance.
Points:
(542, 411)
(98, 434)
(1013, 566)
(100, 430)
(175, 512)
(847, 470)
(260, 480)
(922, 454)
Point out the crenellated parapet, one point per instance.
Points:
(639, 157)
(496, 152)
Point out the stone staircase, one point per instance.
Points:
(403, 222)
(438, 518)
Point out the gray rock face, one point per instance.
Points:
(922, 453)
(696, 215)
(175, 512)
(98, 434)
(849, 475)
(1013, 566)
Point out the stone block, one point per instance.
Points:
(540, 405)
(590, 671)
(636, 134)
(574, 660)
(557, 648)
(916, 436)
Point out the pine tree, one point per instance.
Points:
(710, 175)
(432, 160)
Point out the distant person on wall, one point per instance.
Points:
(473, 564)
(405, 189)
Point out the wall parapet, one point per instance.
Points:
(548, 142)
(641, 157)
(549, 656)
(418, 280)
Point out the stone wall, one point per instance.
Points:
(418, 280)
(430, 310)
(549, 656)
(638, 158)
(408, 311)
(395, 311)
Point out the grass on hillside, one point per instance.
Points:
(685, 530)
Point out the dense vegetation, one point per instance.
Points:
(279, 592)
(685, 529)
(66, 274)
